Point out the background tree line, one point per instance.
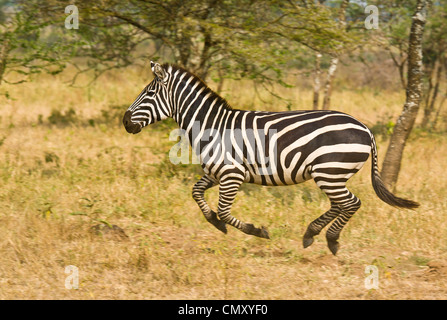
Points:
(244, 39)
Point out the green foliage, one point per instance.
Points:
(228, 39)
(383, 128)
(25, 49)
(420, 261)
(51, 157)
(63, 118)
(112, 115)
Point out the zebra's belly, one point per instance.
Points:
(276, 176)
(261, 175)
(339, 161)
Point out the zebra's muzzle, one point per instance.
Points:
(130, 126)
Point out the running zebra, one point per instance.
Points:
(266, 148)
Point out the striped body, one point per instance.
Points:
(288, 149)
(266, 148)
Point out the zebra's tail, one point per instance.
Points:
(379, 187)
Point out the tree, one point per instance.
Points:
(195, 34)
(345, 37)
(317, 81)
(23, 50)
(434, 59)
(404, 125)
(229, 39)
(396, 19)
(335, 59)
(396, 22)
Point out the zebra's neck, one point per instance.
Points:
(195, 105)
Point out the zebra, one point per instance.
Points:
(324, 145)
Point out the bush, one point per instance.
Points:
(383, 128)
(63, 118)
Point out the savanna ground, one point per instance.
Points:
(67, 165)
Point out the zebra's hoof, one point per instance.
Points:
(258, 232)
(222, 226)
(308, 237)
(333, 246)
(219, 224)
(307, 241)
(332, 242)
(264, 233)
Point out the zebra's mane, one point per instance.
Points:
(213, 95)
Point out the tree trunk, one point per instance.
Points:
(429, 106)
(334, 61)
(404, 125)
(328, 85)
(4, 50)
(400, 65)
(435, 120)
(317, 82)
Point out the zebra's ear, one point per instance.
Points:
(159, 71)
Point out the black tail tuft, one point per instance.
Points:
(385, 195)
(379, 187)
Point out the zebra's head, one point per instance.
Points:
(151, 105)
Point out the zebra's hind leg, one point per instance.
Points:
(198, 194)
(335, 192)
(332, 181)
(228, 188)
(318, 224)
(348, 207)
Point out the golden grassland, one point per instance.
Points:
(63, 172)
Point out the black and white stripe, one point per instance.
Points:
(267, 148)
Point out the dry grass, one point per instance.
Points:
(57, 181)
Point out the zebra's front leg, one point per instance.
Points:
(198, 194)
(228, 189)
